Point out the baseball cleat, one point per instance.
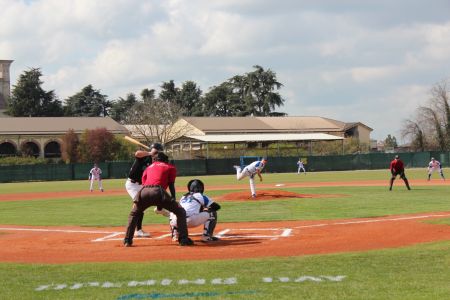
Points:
(186, 242)
(142, 233)
(127, 243)
(254, 196)
(207, 238)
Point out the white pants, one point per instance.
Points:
(132, 188)
(99, 184)
(192, 221)
(301, 169)
(244, 173)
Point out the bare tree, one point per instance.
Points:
(440, 102)
(412, 131)
(432, 118)
(155, 120)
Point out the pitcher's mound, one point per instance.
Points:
(262, 195)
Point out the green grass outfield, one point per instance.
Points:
(418, 272)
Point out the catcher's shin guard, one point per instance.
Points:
(210, 225)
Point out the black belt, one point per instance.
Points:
(133, 181)
(151, 186)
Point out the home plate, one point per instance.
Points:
(279, 184)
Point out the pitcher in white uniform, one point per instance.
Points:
(95, 174)
(200, 209)
(251, 170)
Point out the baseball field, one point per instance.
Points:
(324, 235)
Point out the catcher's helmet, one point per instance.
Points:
(157, 146)
(196, 186)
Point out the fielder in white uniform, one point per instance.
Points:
(301, 167)
(200, 209)
(251, 170)
(435, 166)
(95, 174)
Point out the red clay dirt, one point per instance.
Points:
(36, 244)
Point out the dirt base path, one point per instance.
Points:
(27, 244)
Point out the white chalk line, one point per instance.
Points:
(112, 236)
(225, 234)
(373, 221)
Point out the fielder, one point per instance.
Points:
(301, 167)
(200, 209)
(251, 170)
(397, 168)
(134, 182)
(95, 174)
(435, 166)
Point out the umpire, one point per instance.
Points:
(155, 180)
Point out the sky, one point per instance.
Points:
(373, 62)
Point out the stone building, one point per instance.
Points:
(5, 84)
(41, 136)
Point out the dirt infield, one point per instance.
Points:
(238, 240)
(33, 244)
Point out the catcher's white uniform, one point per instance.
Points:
(194, 205)
(95, 174)
(435, 166)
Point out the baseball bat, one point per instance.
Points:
(131, 140)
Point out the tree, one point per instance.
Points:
(188, 97)
(168, 91)
(414, 132)
(431, 121)
(29, 99)
(440, 100)
(98, 145)
(221, 101)
(432, 118)
(89, 102)
(69, 147)
(120, 107)
(155, 119)
(390, 141)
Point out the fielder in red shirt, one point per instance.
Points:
(397, 168)
(156, 178)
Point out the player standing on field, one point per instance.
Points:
(301, 167)
(435, 166)
(251, 170)
(200, 209)
(397, 168)
(134, 182)
(95, 174)
(156, 178)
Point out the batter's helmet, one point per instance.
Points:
(157, 146)
(196, 186)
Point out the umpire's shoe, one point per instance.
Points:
(186, 242)
(127, 243)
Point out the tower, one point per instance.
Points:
(5, 91)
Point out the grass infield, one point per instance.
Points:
(418, 272)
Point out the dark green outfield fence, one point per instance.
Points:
(223, 166)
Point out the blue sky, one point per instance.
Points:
(368, 61)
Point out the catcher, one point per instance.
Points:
(200, 209)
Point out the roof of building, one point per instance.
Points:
(216, 125)
(57, 125)
(261, 137)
